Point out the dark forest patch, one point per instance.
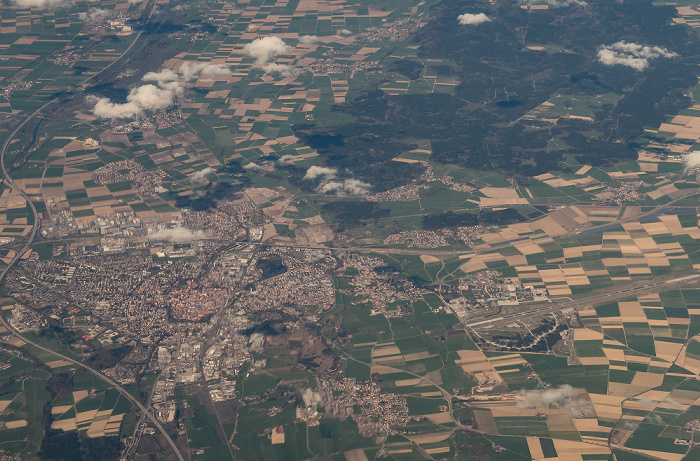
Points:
(501, 80)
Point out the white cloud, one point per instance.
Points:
(311, 398)
(315, 171)
(264, 50)
(103, 108)
(145, 97)
(330, 184)
(177, 234)
(201, 174)
(252, 166)
(286, 158)
(273, 67)
(94, 15)
(162, 76)
(192, 69)
(155, 97)
(677, 405)
(648, 403)
(187, 71)
(551, 396)
(133, 2)
(631, 54)
(468, 19)
(49, 4)
(308, 39)
(692, 160)
(561, 397)
(345, 32)
(342, 188)
(629, 425)
(167, 88)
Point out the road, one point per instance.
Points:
(27, 245)
(589, 300)
(35, 227)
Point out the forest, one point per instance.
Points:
(501, 79)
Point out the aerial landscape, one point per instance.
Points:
(350, 230)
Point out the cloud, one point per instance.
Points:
(103, 108)
(155, 97)
(629, 425)
(177, 234)
(345, 32)
(264, 50)
(561, 397)
(145, 97)
(192, 69)
(49, 4)
(468, 19)
(187, 71)
(631, 54)
(553, 396)
(311, 398)
(315, 171)
(648, 403)
(677, 405)
(201, 174)
(252, 166)
(273, 67)
(287, 159)
(163, 92)
(692, 160)
(162, 76)
(308, 39)
(346, 187)
(97, 14)
(330, 184)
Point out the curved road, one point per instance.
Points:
(27, 246)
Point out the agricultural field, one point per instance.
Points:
(298, 229)
(98, 412)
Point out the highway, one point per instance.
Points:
(589, 300)
(27, 245)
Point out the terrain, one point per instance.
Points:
(290, 230)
